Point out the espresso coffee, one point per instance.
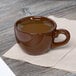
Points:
(35, 26)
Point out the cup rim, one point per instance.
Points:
(23, 19)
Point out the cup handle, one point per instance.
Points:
(56, 33)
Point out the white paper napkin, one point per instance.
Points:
(68, 62)
(54, 56)
(4, 69)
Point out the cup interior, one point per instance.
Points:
(50, 24)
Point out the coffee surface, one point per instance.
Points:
(35, 26)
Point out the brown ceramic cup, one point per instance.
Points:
(39, 43)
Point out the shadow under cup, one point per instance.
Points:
(36, 34)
